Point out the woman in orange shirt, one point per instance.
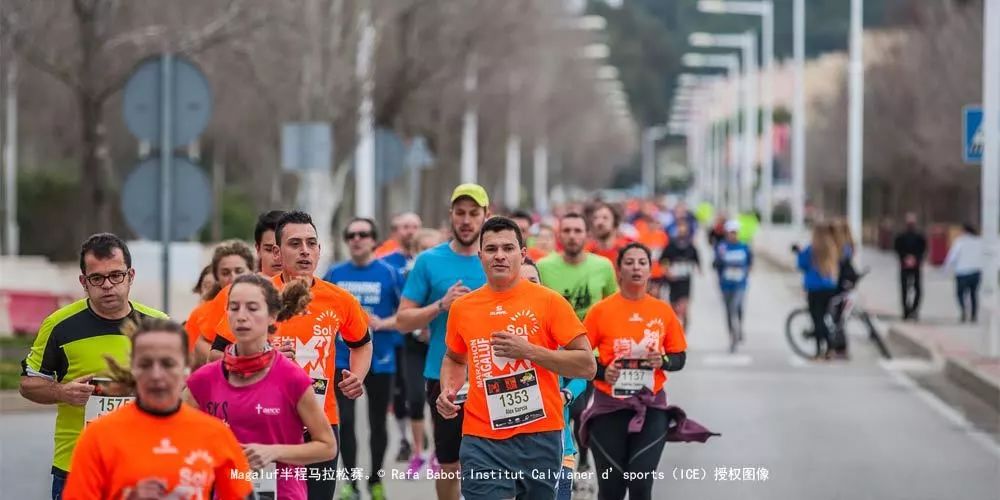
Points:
(230, 260)
(638, 339)
(157, 447)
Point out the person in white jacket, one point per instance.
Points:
(965, 259)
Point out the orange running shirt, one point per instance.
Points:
(191, 326)
(191, 451)
(622, 328)
(332, 310)
(214, 315)
(608, 253)
(499, 407)
(536, 254)
(386, 248)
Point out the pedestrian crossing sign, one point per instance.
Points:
(973, 136)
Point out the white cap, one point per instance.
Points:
(732, 226)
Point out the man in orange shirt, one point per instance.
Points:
(332, 311)
(404, 227)
(606, 241)
(506, 336)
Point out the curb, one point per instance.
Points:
(959, 371)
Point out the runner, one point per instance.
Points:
(205, 285)
(679, 261)
(544, 243)
(269, 265)
(157, 447)
(604, 225)
(406, 226)
(733, 260)
(403, 227)
(583, 279)
(506, 337)
(205, 289)
(52, 374)
(414, 359)
(377, 286)
(265, 399)
(230, 260)
(524, 222)
(332, 311)
(638, 339)
(441, 275)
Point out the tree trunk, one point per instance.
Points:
(95, 193)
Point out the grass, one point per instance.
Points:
(24, 341)
(10, 374)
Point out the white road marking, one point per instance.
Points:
(950, 414)
(727, 360)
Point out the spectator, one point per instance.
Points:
(910, 245)
(965, 258)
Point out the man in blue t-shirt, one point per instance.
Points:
(441, 275)
(733, 260)
(377, 286)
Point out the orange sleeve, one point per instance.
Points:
(592, 323)
(673, 333)
(564, 325)
(89, 474)
(223, 330)
(215, 312)
(453, 337)
(232, 458)
(355, 324)
(191, 326)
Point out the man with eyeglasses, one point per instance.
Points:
(377, 286)
(72, 342)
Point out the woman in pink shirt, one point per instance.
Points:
(265, 398)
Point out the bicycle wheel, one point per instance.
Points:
(799, 332)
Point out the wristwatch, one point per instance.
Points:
(569, 396)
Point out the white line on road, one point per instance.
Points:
(727, 360)
(949, 413)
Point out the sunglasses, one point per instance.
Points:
(359, 234)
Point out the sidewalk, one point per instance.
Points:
(938, 335)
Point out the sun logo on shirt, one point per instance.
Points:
(197, 455)
(523, 323)
(327, 324)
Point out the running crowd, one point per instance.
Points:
(533, 343)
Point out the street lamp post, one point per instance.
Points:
(991, 169)
(649, 138)
(764, 9)
(855, 145)
(731, 64)
(799, 119)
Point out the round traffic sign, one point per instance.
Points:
(190, 101)
(191, 204)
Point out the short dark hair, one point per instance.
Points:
(500, 223)
(520, 214)
(293, 217)
(630, 246)
(575, 215)
(102, 246)
(970, 228)
(529, 262)
(371, 224)
(205, 271)
(267, 221)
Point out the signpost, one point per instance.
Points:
(973, 135)
(167, 102)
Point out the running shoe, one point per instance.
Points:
(377, 491)
(416, 467)
(348, 492)
(404, 451)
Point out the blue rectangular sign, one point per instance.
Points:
(973, 137)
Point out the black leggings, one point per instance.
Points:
(378, 389)
(819, 306)
(415, 353)
(619, 452)
(399, 387)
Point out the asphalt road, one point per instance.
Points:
(858, 429)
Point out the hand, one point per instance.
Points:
(424, 335)
(259, 455)
(76, 392)
(446, 404)
(287, 349)
(511, 346)
(350, 385)
(656, 359)
(457, 290)
(611, 373)
(909, 262)
(148, 489)
(375, 323)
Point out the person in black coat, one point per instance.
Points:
(910, 245)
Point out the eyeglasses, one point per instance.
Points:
(359, 234)
(116, 278)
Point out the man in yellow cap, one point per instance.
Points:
(439, 276)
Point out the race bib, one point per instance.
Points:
(514, 400)
(320, 386)
(100, 403)
(734, 274)
(265, 482)
(633, 376)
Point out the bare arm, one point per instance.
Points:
(361, 360)
(453, 371)
(41, 390)
(413, 317)
(575, 360)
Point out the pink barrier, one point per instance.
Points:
(26, 310)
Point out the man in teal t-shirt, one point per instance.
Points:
(581, 277)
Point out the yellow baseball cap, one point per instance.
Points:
(474, 191)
